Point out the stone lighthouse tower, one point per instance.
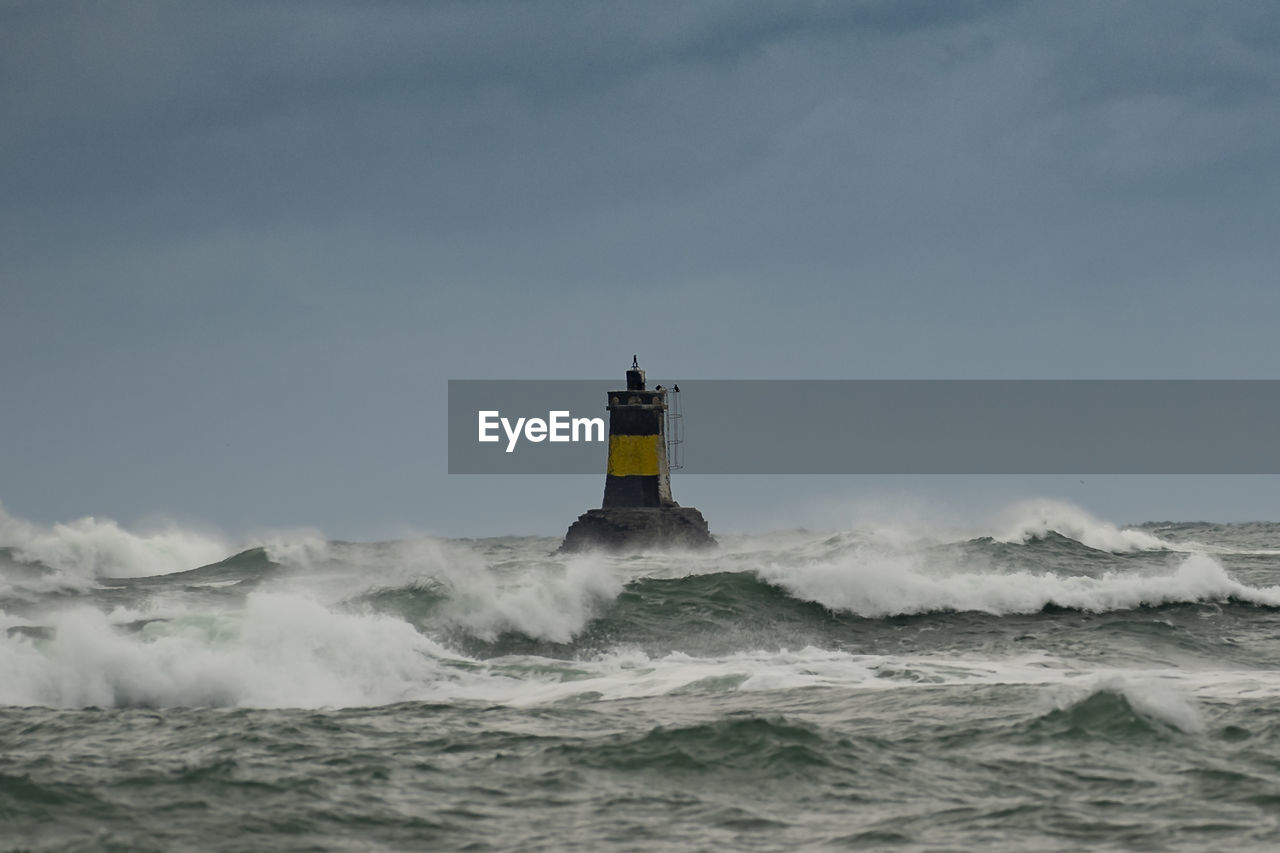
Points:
(638, 511)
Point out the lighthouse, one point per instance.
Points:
(638, 473)
(637, 511)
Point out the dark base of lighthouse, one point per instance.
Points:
(638, 529)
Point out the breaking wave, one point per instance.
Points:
(1118, 705)
(1031, 520)
(296, 620)
(880, 586)
(79, 551)
(280, 651)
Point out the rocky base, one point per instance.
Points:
(638, 529)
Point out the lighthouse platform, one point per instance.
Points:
(638, 528)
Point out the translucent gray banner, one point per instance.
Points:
(889, 426)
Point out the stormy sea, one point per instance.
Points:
(1059, 682)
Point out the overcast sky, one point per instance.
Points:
(244, 245)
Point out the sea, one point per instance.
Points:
(1052, 682)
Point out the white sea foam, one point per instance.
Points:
(1165, 699)
(1033, 519)
(280, 651)
(554, 604)
(291, 651)
(1171, 695)
(540, 597)
(86, 548)
(877, 584)
(304, 548)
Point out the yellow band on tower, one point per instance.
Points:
(633, 455)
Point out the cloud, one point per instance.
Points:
(159, 117)
(286, 209)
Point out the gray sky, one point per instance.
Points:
(243, 245)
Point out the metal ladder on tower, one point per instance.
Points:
(675, 430)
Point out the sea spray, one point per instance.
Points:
(1143, 696)
(875, 584)
(280, 651)
(88, 548)
(1034, 519)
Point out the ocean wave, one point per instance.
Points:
(285, 650)
(878, 585)
(591, 602)
(1031, 520)
(768, 746)
(1119, 705)
(484, 590)
(280, 651)
(80, 551)
(554, 604)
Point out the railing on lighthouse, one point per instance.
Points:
(675, 430)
